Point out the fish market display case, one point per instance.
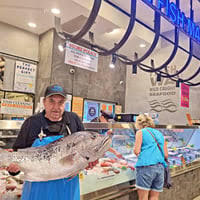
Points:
(8, 132)
(113, 176)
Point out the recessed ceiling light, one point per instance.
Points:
(55, 11)
(142, 45)
(114, 31)
(32, 25)
(112, 66)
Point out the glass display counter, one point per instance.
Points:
(8, 132)
(114, 174)
(111, 170)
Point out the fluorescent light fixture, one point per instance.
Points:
(113, 61)
(142, 45)
(32, 25)
(55, 11)
(60, 47)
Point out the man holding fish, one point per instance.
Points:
(42, 129)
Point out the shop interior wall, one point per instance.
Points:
(144, 94)
(106, 85)
(45, 63)
(18, 43)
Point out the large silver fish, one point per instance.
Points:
(63, 158)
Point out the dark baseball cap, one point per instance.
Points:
(55, 89)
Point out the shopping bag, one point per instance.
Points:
(167, 177)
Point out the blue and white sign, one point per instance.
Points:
(177, 17)
(91, 110)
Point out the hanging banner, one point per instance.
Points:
(77, 106)
(25, 77)
(13, 107)
(81, 57)
(185, 93)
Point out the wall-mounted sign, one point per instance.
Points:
(118, 109)
(14, 107)
(68, 106)
(77, 106)
(107, 106)
(82, 57)
(91, 110)
(25, 76)
(177, 17)
(185, 93)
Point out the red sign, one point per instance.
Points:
(185, 93)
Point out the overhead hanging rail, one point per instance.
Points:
(138, 61)
(87, 26)
(127, 33)
(90, 21)
(154, 43)
(176, 41)
(189, 57)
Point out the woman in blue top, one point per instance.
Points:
(151, 162)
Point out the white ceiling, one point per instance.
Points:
(20, 12)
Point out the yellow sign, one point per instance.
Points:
(118, 109)
(77, 106)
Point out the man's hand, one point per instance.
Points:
(92, 164)
(13, 168)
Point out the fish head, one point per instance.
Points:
(93, 145)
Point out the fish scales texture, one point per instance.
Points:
(59, 159)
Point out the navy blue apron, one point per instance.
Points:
(61, 189)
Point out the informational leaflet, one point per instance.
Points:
(82, 57)
(25, 77)
(118, 109)
(14, 107)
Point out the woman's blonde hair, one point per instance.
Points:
(144, 120)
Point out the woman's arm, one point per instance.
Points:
(165, 150)
(138, 142)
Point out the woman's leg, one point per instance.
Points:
(143, 194)
(153, 195)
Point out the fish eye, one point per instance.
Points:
(93, 136)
